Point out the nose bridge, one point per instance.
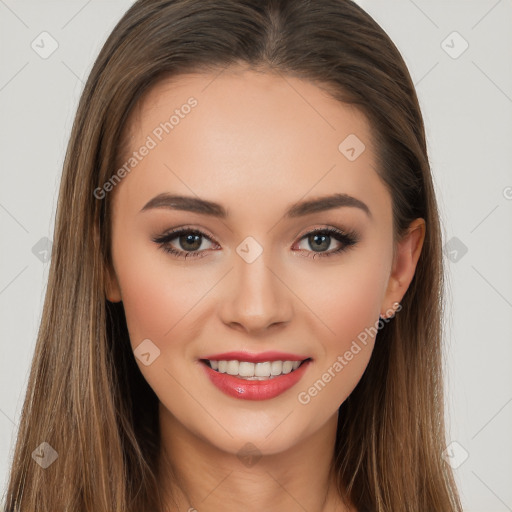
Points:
(256, 298)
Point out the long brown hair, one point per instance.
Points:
(87, 398)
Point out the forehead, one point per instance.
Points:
(241, 133)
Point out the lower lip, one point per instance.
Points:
(255, 389)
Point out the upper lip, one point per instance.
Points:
(256, 358)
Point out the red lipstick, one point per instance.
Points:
(237, 387)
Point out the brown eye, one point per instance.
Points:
(191, 242)
(183, 243)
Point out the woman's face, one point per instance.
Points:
(286, 249)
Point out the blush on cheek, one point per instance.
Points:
(350, 315)
(150, 308)
(160, 303)
(347, 305)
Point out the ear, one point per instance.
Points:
(112, 288)
(404, 264)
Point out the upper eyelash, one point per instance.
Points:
(348, 239)
(164, 239)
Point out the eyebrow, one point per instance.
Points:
(299, 209)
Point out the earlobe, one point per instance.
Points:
(404, 265)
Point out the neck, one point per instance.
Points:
(195, 474)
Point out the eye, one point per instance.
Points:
(322, 239)
(190, 241)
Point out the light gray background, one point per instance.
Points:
(467, 105)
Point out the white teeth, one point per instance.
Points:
(246, 369)
(255, 371)
(232, 368)
(276, 367)
(262, 369)
(287, 366)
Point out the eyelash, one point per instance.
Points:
(348, 239)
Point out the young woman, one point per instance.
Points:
(245, 294)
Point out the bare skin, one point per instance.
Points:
(256, 143)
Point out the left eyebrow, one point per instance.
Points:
(326, 203)
(299, 209)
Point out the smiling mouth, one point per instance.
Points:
(254, 371)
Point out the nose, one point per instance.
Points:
(256, 297)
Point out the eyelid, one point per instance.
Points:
(326, 227)
(346, 237)
(173, 233)
(164, 240)
(186, 229)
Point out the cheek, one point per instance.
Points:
(155, 295)
(147, 300)
(157, 301)
(346, 304)
(347, 298)
(160, 301)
